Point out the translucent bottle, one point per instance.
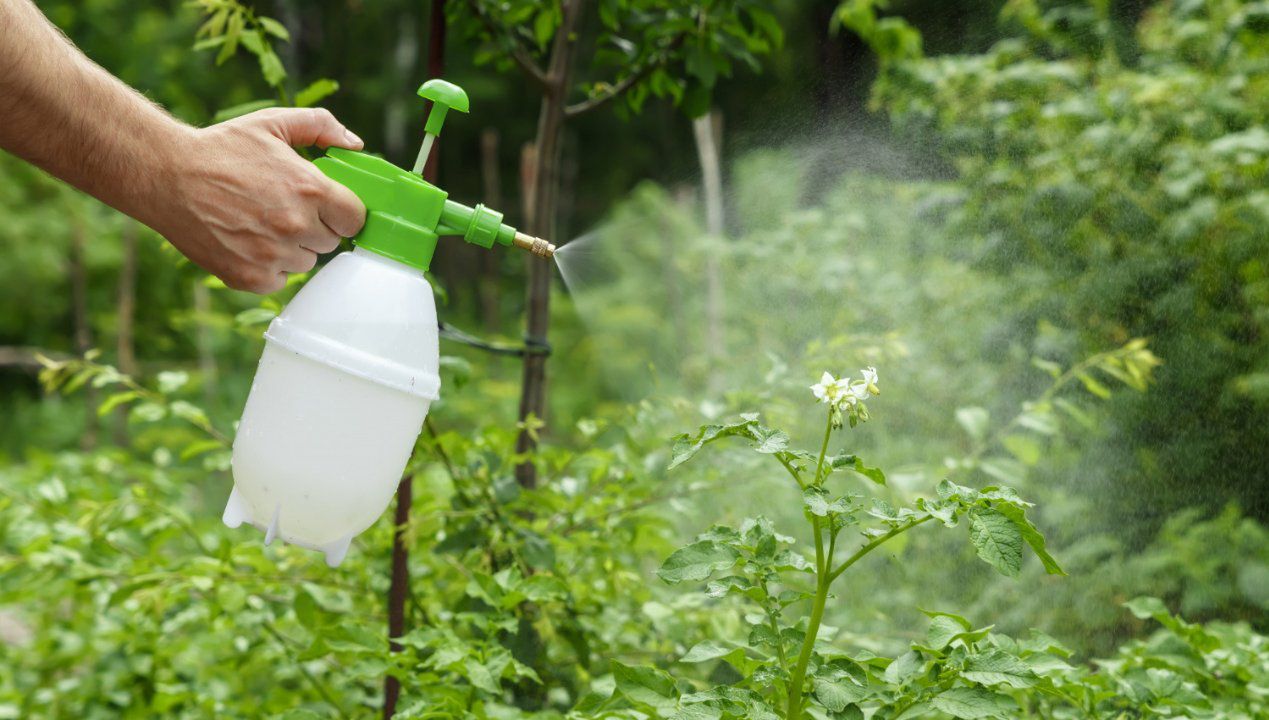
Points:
(350, 366)
(348, 373)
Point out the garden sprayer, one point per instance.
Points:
(350, 366)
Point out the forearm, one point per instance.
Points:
(64, 113)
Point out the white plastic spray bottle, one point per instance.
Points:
(350, 365)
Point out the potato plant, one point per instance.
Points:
(782, 664)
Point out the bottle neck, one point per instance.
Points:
(386, 261)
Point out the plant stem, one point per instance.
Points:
(775, 630)
(794, 710)
(312, 680)
(828, 431)
(877, 542)
(822, 581)
(792, 471)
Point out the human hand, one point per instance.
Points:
(243, 205)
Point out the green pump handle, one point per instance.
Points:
(405, 214)
(444, 96)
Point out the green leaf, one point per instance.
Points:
(697, 562)
(997, 540)
(147, 412)
(791, 560)
(815, 500)
(942, 630)
(544, 27)
(1092, 385)
(963, 622)
(271, 68)
(766, 22)
(189, 412)
(904, 668)
(1053, 369)
(768, 441)
(999, 668)
(700, 64)
(970, 703)
(974, 420)
(1004, 469)
(254, 42)
(201, 447)
(1145, 607)
(949, 490)
(872, 473)
(317, 91)
(172, 380)
(686, 445)
(254, 316)
(644, 684)
(234, 111)
(275, 28)
(1024, 447)
(307, 611)
(233, 32)
(115, 401)
(209, 43)
(914, 711)
(696, 100)
(706, 651)
(837, 693)
(480, 676)
(1029, 532)
(721, 587)
(697, 711)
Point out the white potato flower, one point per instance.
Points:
(870, 381)
(846, 396)
(833, 391)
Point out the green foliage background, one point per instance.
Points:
(1031, 187)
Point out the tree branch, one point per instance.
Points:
(518, 54)
(615, 91)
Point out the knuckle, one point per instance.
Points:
(246, 280)
(266, 253)
(235, 282)
(289, 223)
(309, 187)
(264, 282)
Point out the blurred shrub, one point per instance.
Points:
(1123, 182)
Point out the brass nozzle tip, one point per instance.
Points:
(537, 246)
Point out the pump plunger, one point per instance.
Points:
(446, 96)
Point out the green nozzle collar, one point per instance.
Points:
(405, 214)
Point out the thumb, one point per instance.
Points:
(301, 127)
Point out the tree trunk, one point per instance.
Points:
(706, 130)
(82, 331)
(399, 590)
(125, 342)
(490, 297)
(546, 179)
(399, 585)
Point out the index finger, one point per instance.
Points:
(341, 210)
